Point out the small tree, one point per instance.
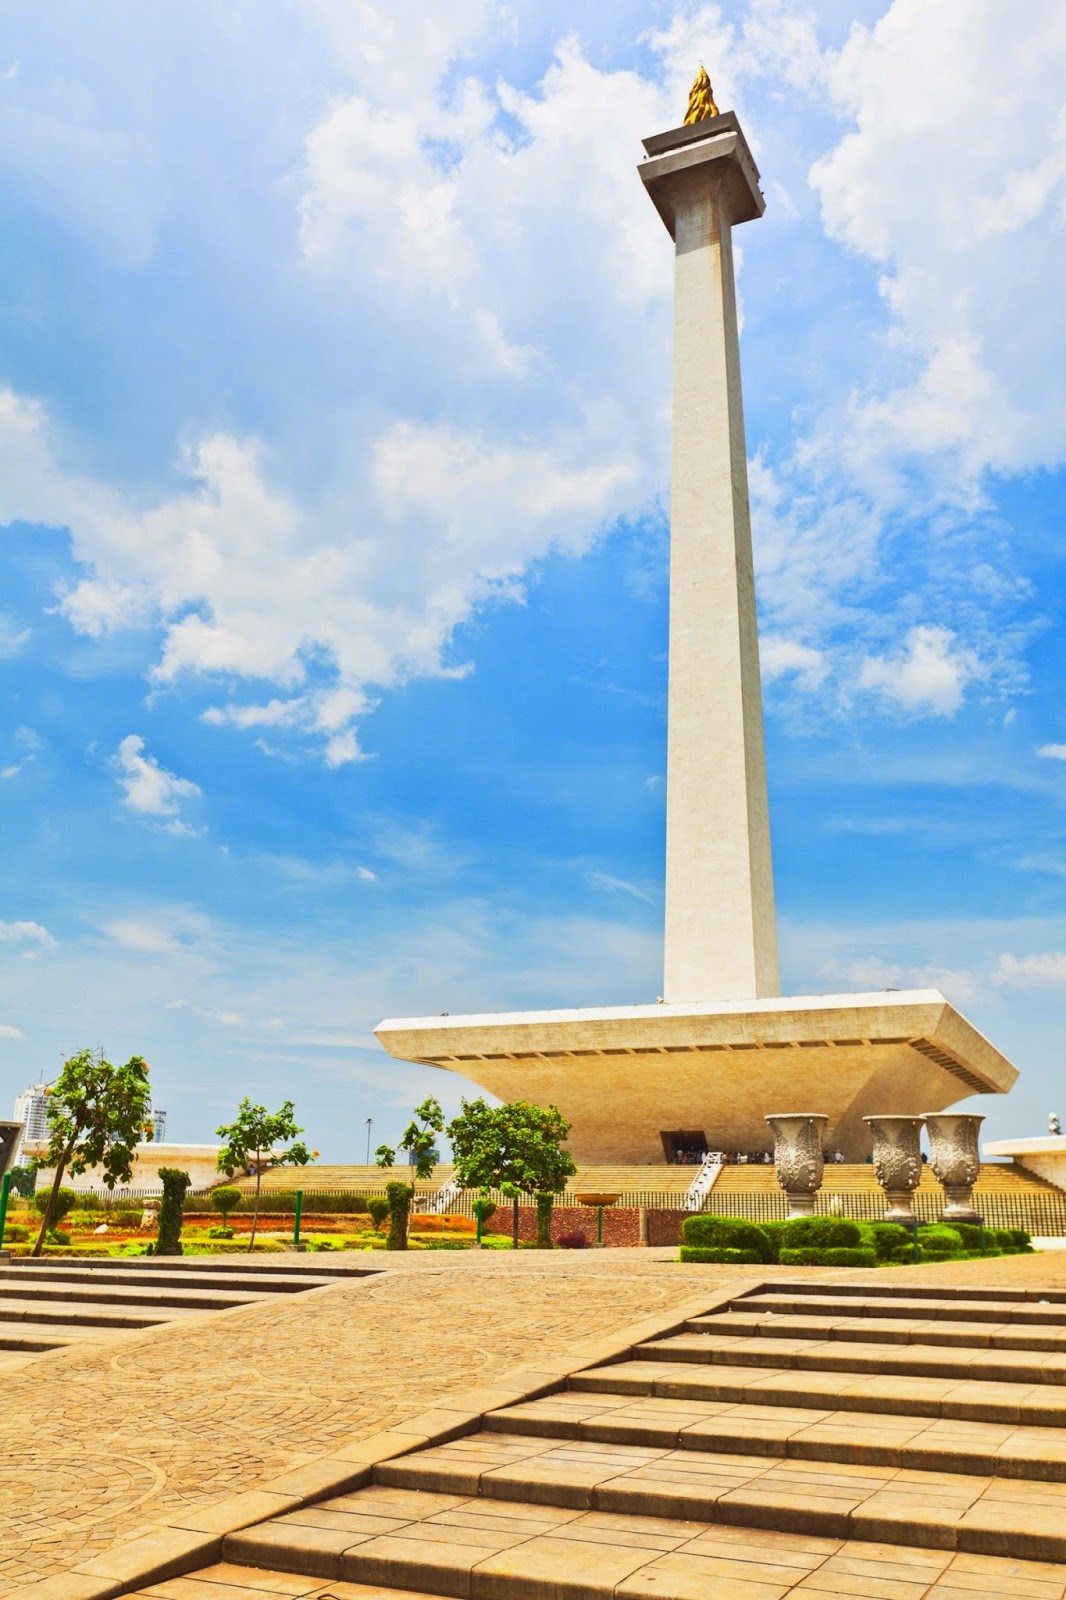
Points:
(256, 1137)
(379, 1208)
(176, 1185)
(399, 1198)
(97, 1115)
(225, 1199)
(420, 1141)
(62, 1203)
(516, 1148)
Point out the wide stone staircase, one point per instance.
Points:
(849, 1439)
(47, 1304)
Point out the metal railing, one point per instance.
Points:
(1042, 1213)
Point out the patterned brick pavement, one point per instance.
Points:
(97, 1442)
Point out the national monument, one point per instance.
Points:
(701, 1070)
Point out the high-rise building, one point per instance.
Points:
(159, 1126)
(31, 1108)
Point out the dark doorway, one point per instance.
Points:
(685, 1148)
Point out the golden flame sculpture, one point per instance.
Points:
(701, 104)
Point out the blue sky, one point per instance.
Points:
(334, 389)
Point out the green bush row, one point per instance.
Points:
(839, 1242)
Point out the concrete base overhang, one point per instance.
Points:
(624, 1075)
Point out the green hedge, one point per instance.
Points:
(820, 1233)
(840, 1242)
(840, 1256)
(693, 1252)
(726, 1233)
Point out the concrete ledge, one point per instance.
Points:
(199, 1536)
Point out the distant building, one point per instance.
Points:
(31, 1108)
(159, 1126)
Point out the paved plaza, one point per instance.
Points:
(99, 1441)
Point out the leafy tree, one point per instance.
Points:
(176, 1185)
(97, 1114)
(225, 1199)
(516, 1148)
(379, 1208)
(24, 1180)
(420, 1141)
(256, 1138)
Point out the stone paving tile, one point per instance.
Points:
(190, 1414)
(194, 1412)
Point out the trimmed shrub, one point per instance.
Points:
(226, 1198)
(820, 1233)
(937, 1239)
(176, 1185)
(884, 1237)
(838, 1257)
(66, 1200)
(378, 1209)
(57, 1236)
(774, 1231)
(90, 1202)
(317, 1204)
(14, 1233)
(727, 1233)
(574, 1240)
(399, 1197)
(695, 1252)
(220, 1233)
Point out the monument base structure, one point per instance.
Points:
(640, 1083)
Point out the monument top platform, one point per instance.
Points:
(629, 1078)
(680, 155)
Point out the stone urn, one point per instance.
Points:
(798, 1158)
(956, 1160)
(897, 1163)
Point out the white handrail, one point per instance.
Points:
(704, 1181)
(444, 1197)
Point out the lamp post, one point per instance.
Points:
(369, 1125)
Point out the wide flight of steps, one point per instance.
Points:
(807, 1440)
(47, 1304)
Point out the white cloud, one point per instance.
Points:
(149, 789)
(1032, 971)
(8, 1032)
(962, 218)
(1052, 752)
(930, 674)
(168, 931)
(29, 741)
(639, 891)
(26, 933)
(425, 198)
(779, 657)
(871, 973)
(12, 637)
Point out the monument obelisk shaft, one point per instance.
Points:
(721, 937)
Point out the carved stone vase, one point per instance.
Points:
(897, 1162)
(798, 1158)
(956, 1160)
